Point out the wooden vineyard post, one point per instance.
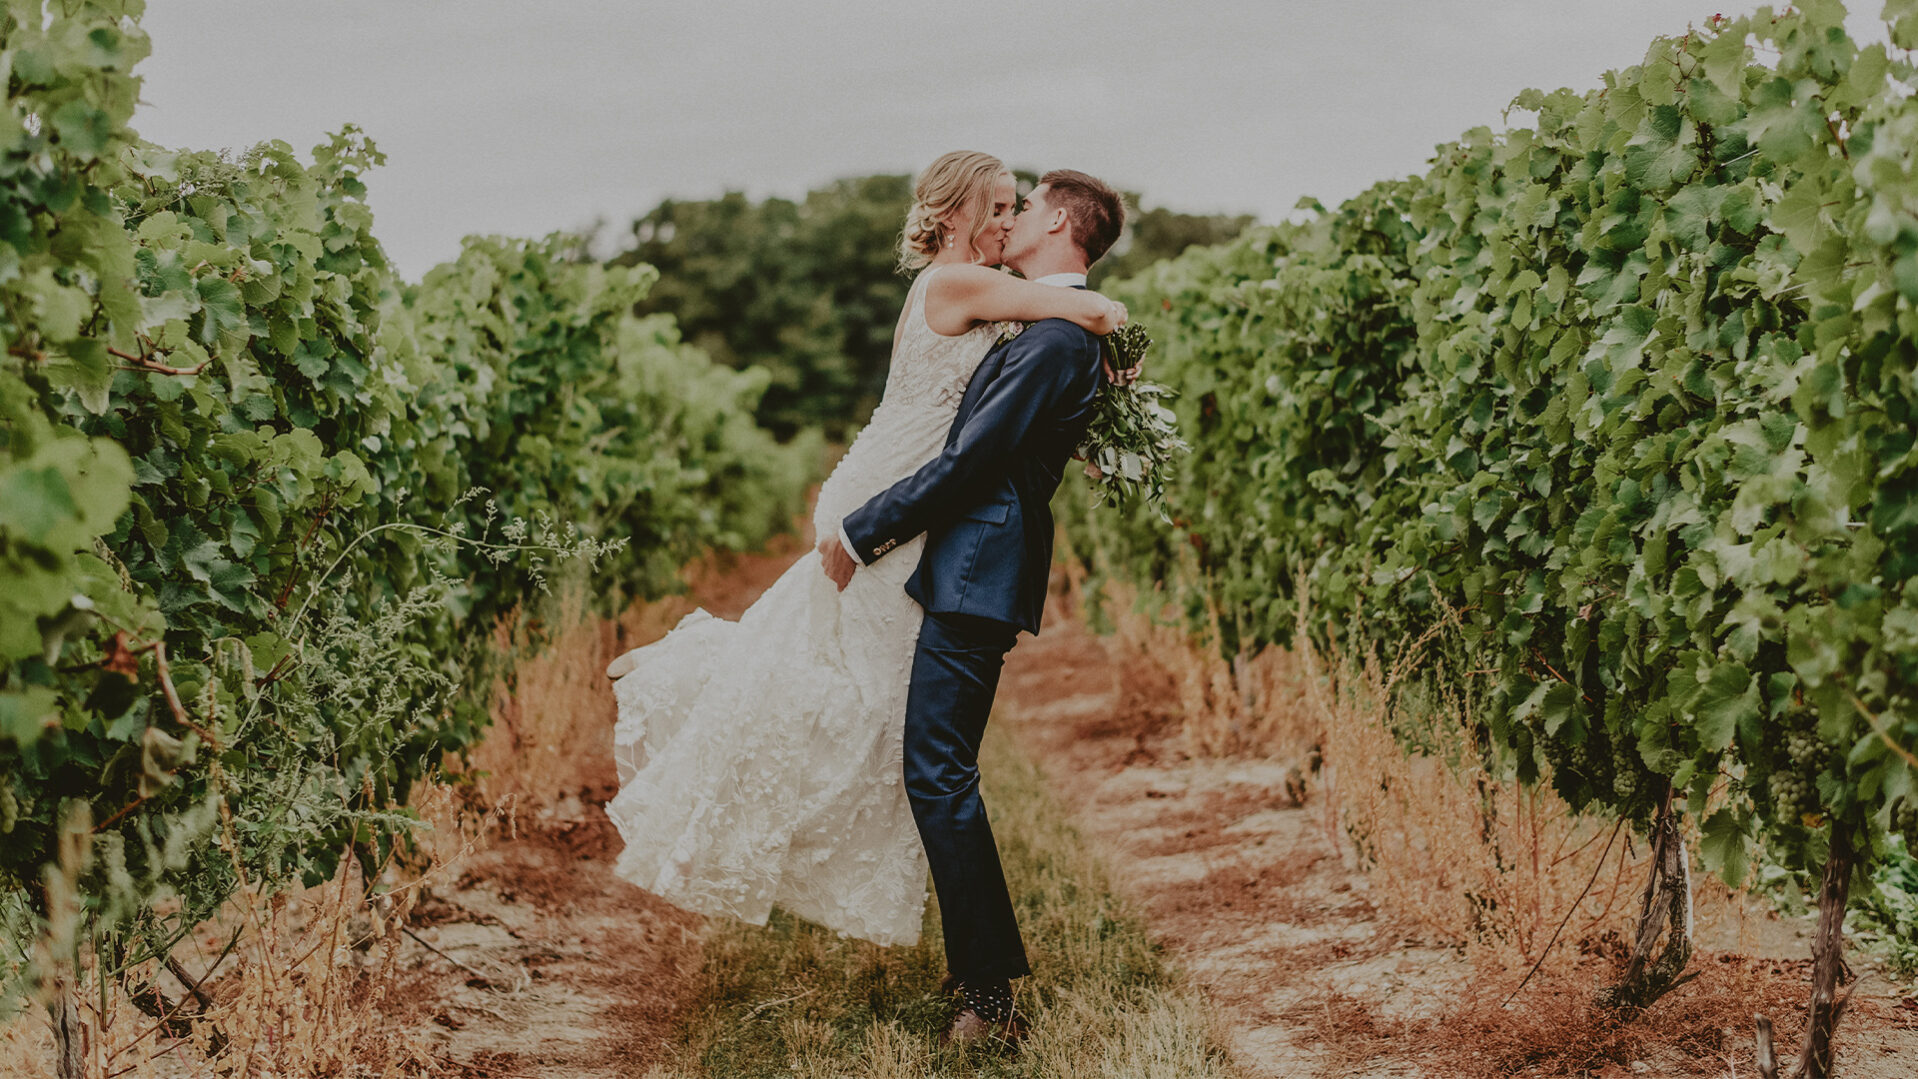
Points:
(69, 1034)
(1766, 1058)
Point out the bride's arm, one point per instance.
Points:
(963, 295)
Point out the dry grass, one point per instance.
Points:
(1700, 1029)
(1465, 853)
(1463, 850)
(550, 742)
(324, 981)
(1349, 1033)
(299, 983)
(1466, 856)
(551, 735)
(1254, 705)
(313, 982)
(1462, 853)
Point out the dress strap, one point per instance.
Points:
(921, 286)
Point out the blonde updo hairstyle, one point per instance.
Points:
(960, 179)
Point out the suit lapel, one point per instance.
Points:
(982, 377)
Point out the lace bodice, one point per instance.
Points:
(931, 370)
(928, 377)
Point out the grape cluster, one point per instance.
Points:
(1904, 819)
(1578, 756)
(1577, 769)
(1628, 771)
(1790, 796)
(1793, 792)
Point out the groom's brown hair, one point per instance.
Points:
(1096, 211)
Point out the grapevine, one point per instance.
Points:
(1630, 387)
(236, 453)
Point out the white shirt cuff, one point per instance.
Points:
(846, 542)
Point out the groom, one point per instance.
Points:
(983, 504)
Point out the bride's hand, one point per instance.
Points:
(1131, 374)
(1110, 319)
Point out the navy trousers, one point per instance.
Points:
(954, 675)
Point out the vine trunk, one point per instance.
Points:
(1817, 1056)
(1664, 912)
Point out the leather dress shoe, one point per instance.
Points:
(971, 1028)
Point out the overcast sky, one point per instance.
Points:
(522, 118)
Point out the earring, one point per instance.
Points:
(948, 239)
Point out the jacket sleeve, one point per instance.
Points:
(1041, 365)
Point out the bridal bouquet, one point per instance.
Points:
(1129, 445)
(1133, 438)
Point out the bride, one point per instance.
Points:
(759, 760)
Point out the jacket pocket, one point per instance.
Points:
(990, 513)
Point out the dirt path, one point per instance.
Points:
(565, 970)
(1236, 877)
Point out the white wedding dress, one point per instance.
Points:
(759, 760)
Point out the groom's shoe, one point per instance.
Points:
(970, 1028)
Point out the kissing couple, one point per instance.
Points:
(821, 752)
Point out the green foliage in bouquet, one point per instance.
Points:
(1133, 439)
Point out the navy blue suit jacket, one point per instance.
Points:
(985, 502)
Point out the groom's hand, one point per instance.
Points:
(838, 564)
